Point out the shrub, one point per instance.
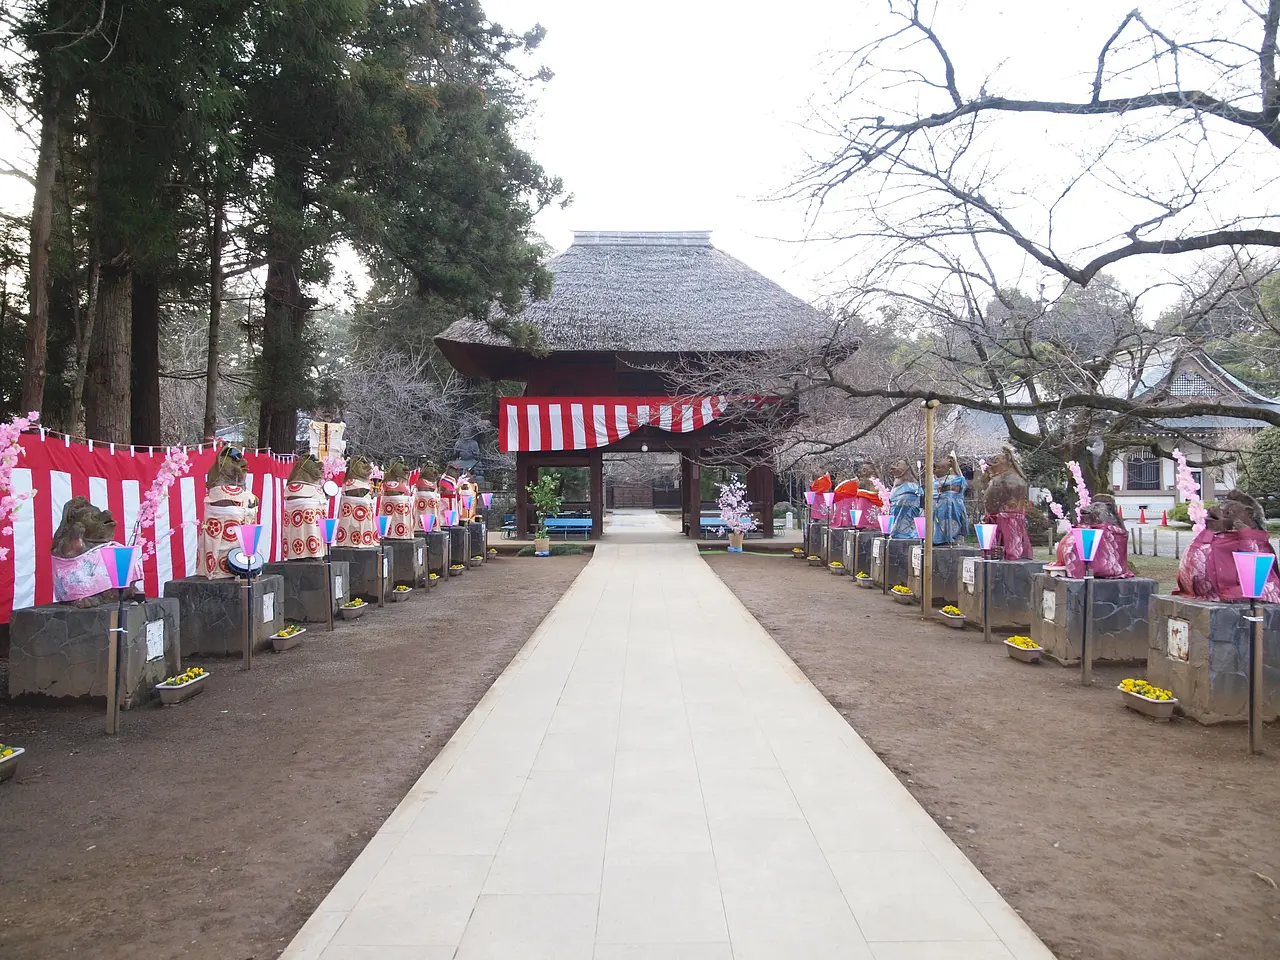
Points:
(557, 550)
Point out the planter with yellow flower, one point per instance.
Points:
(814, 560)
(837, 568)
(401, 592)
(433, 577)
(353, 610)
(952, 617)
(9, 758)
(902, 594)
(457, 569)
(863, 579)
(797, 552)
(1024, 649)
(1145, 698)
(184, 686)
(288, 638)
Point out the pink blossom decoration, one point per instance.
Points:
(10, 451)
(1190, 490)
(882, 490)
(982, 466)
(177, 463)
(1082, 489)
(333, 466)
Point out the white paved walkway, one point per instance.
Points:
(653, 779)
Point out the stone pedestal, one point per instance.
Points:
(1200, 651)
(213, 614)
(891, 558)
(304, 593)
(61, 651)
(947, 562)
(457, 545)
(857, 551)
(407, 560)
(815, 539)
(1120, 629)
(837, 537)
(363, 566)
(475, 543)
(1010, 586)
(439, 556)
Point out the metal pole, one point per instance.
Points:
(113, 666)
(248, 622)
(926, 551)
(986, 583)
(1255, 680)
(884, 567)
(382, 573)
(328, 587)
(1086, 656)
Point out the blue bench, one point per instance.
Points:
(508, 526)
(567, 525)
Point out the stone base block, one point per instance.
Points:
(947, 562)
(836, 537)
(61, 651)
(857, 551)
(213, 614)
(1010, 588)
(407, 560)
(891, 558)
(478, 545)
(363, 566)
(1119, 632)
(304, 593)
(457, 544)
(815, 539)
(439, 556)
(1200, 651)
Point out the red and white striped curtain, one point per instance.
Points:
(530, 425)
(116, 477)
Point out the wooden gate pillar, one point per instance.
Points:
(760, 493)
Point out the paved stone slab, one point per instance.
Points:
(652, 777)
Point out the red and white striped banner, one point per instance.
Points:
(116, 477)
(529, 425)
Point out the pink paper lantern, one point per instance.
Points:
(829, 497)
(1087, 542)
(986, 535)
(486, 499)
(330, 530)
(1253, 569)
(249, 535)
(119, 563)
(384, 524)
(920, 525)
(855, 516)
(428, 522)
(885, 521)
(810, 497)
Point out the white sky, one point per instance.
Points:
(687, 114)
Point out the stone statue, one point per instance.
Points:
(1207, 570)
(906, 499)
(227, 504)
(448, 485)
(467, 489)
(867, 499)
(305, 507)
(357, 520)
(397, 502)
(426, 498)
(846, 493)
(950, 521)
(79, 570)
(1111, 562)
(1006, 500)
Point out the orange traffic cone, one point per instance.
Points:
(1164, 518)
(1142, 514)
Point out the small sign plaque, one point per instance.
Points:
(917, 560)
(966, 572)
(875, 547)
(1178, 639)
(268, 607)
(337, 587)
(1049, 605)
(155, 640)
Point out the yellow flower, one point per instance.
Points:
(951, 610)
(1026, 643)
(902, 590)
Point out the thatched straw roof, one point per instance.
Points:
(655, 293)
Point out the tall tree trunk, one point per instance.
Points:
(282, 326)
(36, 350)
(145, 373)
(107, 393)
(84, 339)
(215, 323)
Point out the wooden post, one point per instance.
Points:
(1255, 681)
(113, 666)
(926, 549)
(248, 623)
(695, 496)
(1086, 655)
(596, 468)
(522, 497)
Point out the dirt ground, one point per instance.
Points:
(1116, 838)
(212, 829)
